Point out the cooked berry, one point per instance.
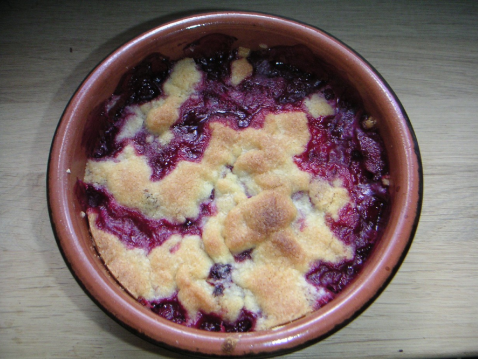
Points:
(245, 323)
(170, 309)
(220, 271)
(214, 323)
(218, 290)
(241, 257)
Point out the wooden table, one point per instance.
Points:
(427, 51)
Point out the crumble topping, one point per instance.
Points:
(241, 68)
(241, 230)
(163, 113)
(318, 106)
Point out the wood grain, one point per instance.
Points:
(428, 53)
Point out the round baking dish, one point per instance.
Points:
(68, 158)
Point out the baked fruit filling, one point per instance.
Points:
(233, 190)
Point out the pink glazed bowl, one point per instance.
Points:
(68, 158)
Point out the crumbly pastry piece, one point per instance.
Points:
(251, 255)
(241, 68)
(163, 113)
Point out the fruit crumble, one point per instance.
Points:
(234, 190)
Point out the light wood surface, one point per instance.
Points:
(428, 53)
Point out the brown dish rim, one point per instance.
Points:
(79, 253)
